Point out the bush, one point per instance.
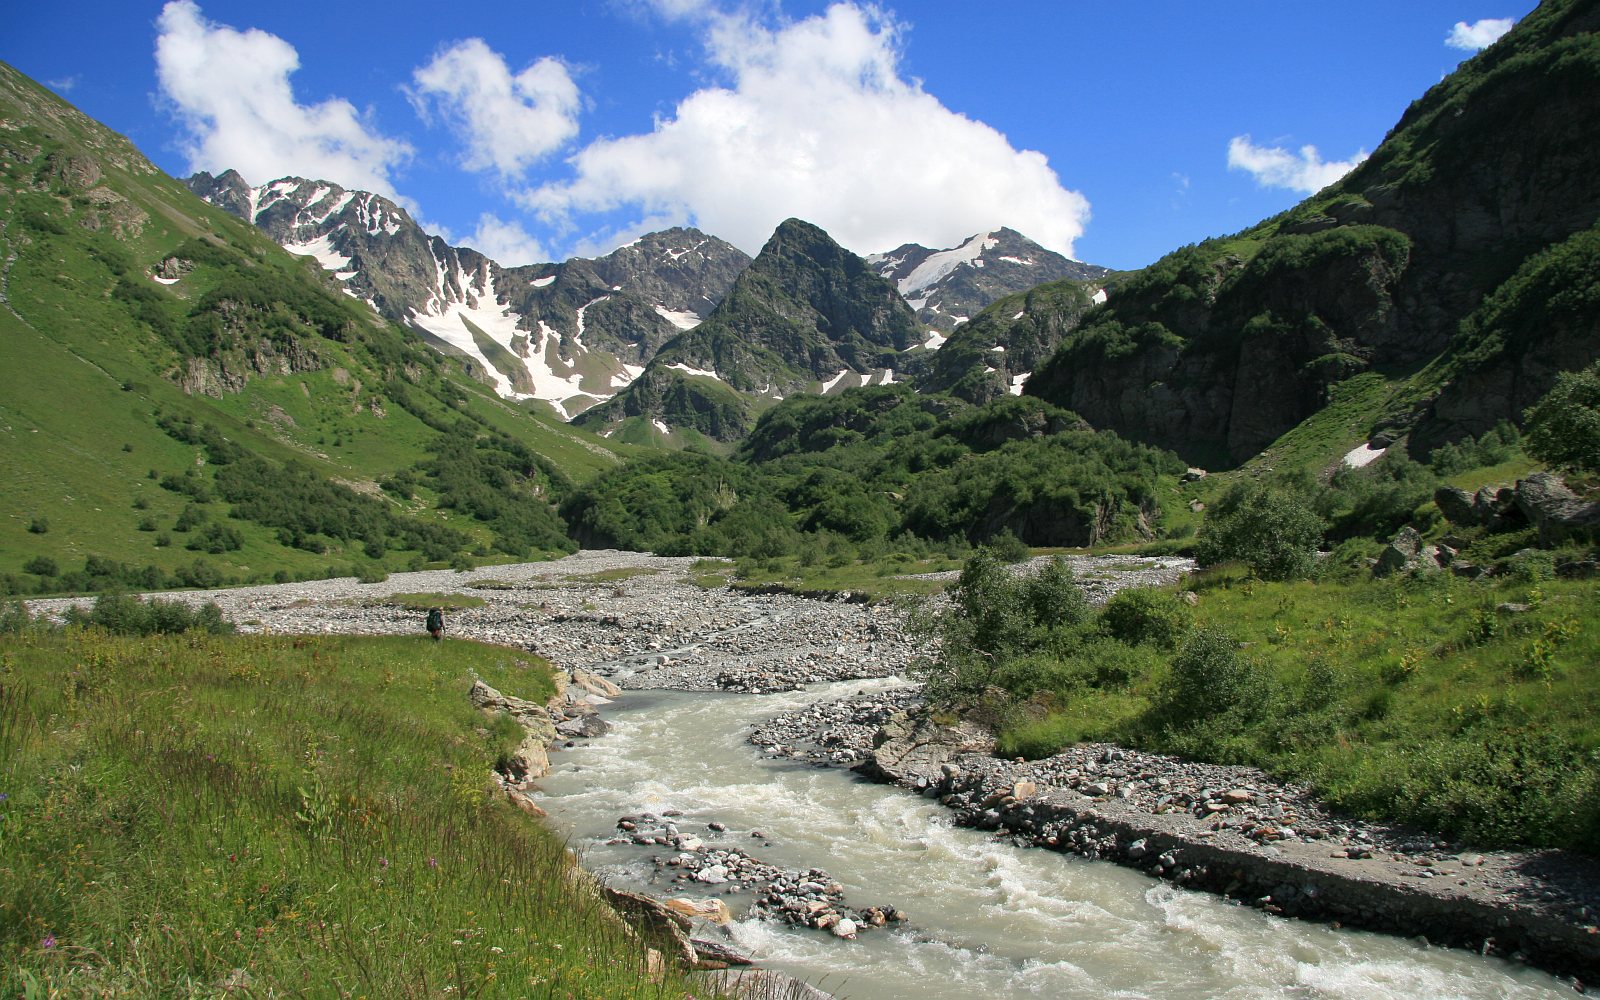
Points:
(41, 566)
(14, 617)
(1564, 426)
(1270, 530)
(1210, 679)
(1008, 548)
(1145, 615)
(124, 615)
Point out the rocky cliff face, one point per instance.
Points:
(1219, 348)
(948, 287)
(572, 333)
(806, 314)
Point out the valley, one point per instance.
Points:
(873, 598)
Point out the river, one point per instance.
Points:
(987, 919)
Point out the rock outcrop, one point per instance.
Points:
(1446, 243)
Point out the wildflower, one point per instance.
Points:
(497, 950)
(433, 862)
(383, 862)
(48, 942)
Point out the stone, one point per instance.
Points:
(521, 800)
(1554, 509)
(845, 928)
(1237, 796)
(712, 909)
(595, 684)
(1456, 504)
(584, 726)
(1405, 554)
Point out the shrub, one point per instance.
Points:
(1008, 548)
(1210, 678)
(1054, 597)
(41, 566)
(1145, 615)
(14, 617)
(124, 615)
(1270, 530)
(1564, 426)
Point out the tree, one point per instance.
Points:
(1564, 427)
(1270, 530)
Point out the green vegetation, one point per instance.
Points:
(231, 424)
(1466, 707)
(422, 602)
(196, 815)
(878, 470)
(1564, 428)
(1272, 531)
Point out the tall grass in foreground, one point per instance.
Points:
(186, 816)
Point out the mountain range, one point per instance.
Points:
(577, 333)
(184, 401)
(571, 334)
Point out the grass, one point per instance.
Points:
(612, 575)
(1432, 700)
(711, 574)
(187, 816)
(880, 580)
(422, 602)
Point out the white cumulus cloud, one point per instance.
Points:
(507, 243)
(1478, 34)
(507, 121)
(231, 90)
(1273, 166)
(816, 122)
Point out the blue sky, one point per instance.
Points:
(535, 131)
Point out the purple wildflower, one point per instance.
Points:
(48, 942)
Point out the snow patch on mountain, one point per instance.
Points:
(683, 320)
(939, 265)
(322, 249)
(827, 386)
(679, 366)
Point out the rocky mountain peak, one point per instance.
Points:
(948, 287)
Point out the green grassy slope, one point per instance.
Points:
(199, 815)
(104, 361)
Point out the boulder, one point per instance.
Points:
(713, 910)
(1405, 553)
(535, 721)
(653, 921)
(530, 762)
(1554, 509)
(521, 800)
(716, 955)
(1456, 504)
(595, 684)
(583, 726)
(908, 744)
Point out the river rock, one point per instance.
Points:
(713, 910)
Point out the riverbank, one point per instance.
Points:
(641, 622)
